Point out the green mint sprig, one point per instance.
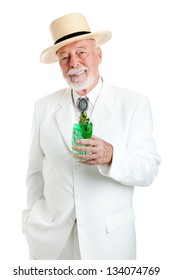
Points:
(83, 119)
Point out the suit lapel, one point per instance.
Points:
(65, 117)
(103, 110)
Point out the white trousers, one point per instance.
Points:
(71, 250)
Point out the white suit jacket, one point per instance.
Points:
(60, 190)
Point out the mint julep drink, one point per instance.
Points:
(83, 129)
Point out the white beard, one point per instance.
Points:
(80, 85)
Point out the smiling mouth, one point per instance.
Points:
(78, 73)
(77, 77)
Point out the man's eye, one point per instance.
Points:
(64, 60)
(82, 54)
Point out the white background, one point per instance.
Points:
(139, 57)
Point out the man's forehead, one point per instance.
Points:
(76, 45)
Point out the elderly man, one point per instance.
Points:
(79, 198)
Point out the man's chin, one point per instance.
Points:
(79, 86)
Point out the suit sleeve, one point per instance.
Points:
(34, 178)
(137, 163)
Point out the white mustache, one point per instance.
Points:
(76, 71)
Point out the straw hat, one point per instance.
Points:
(68, 29)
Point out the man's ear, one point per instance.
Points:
(99, 52)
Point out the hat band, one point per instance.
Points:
(71, 36)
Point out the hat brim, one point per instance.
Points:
(49, 55)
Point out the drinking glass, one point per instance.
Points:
(81, 131)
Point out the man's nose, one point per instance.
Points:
(74, 61)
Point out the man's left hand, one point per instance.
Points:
(97, 151)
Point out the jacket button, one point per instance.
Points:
(76, 165)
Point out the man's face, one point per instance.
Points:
(79, 63)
